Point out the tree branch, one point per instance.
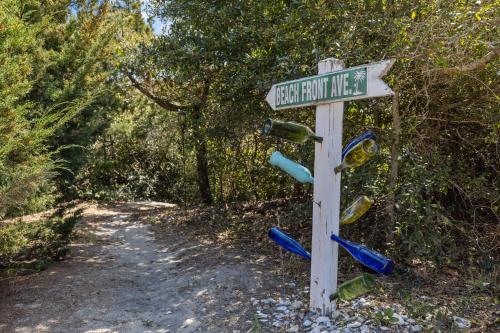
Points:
(394, 169)
(206, 90)
(476, 122)
(167, 105)
(448, 107)
(490, 56)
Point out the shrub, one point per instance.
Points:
(33, 245)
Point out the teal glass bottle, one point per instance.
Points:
(294, 169)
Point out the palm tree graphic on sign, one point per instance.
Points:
(359, 76)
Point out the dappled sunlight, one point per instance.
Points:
(189, 322)
(147, 205)
(170, 260)
(132, 283)
(97, 260)
(201, 292)
(131, 248)
(100, 330)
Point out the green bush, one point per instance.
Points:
(33, 245)
(137, 157)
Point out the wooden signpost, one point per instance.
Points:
(328, 90)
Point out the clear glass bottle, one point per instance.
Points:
(289, 130)
(356, 287)
(357, 209)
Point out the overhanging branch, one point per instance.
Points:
(167, 105)
(490, 56)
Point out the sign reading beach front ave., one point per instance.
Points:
(349, 84)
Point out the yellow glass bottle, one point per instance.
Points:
(358, 155)
(354, 288)
(357, 209)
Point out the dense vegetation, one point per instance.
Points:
(94, 106)
(32, 245)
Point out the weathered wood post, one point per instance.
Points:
(326, 207)
(328, 90)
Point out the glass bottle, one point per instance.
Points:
(287, 242)
(297, 171)
(358, 151)
(356, 287)
(357, 209)
(289, 130)
(369, 258)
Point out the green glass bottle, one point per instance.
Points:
(358, 154)
(357, 209)
(289, 131)
(354, 288)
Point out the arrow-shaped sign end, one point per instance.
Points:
(386, 66)
(381, 68)
(270, 98)
(376, 71)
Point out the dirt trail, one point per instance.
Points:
(119, 279)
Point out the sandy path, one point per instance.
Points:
(118, 279)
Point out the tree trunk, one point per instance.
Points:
(201, 157)
(199, 138)
(393, 175)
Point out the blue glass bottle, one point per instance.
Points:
(297, 171)
(369, 258)
(287, 242)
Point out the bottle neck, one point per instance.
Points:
(343, 242)
(334, 296)
(340, 167)
(316, 138)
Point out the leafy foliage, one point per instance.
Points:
(138, 156)
(445, 54)
(33, 245)
(54, 67)
(26, 165)
(176, 116)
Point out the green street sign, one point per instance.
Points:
(348, 84)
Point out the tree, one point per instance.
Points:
(26, 164)
(443, 142)
(52, 83)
